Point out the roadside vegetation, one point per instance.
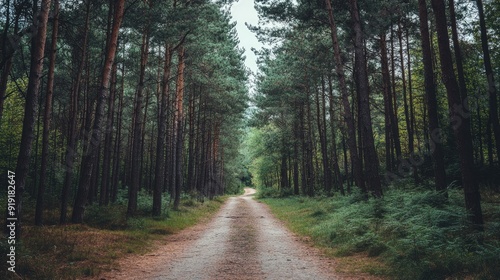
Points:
(407, 234)
(78, 250)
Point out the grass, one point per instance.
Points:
(74, 251)
(408, 234)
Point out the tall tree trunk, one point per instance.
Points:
(215, 159)
(410, 97)
(480, 134)
(351, 127)
(201, 186)
(492, 90)
(198, 146)
(296, 181)
(47, 118)
(89, 158)
(489, 141)
(179, 128)
(143, 142)
(118, 142)
(388, 100)
(162, 128)
(94, 180)
(30, 109)
(137, 154)
(405, 96)
(303, 154)
(435, 142)
(459, 119)
(191, 149)
(72, 135)
(334, 158)
(108, 142)
(327, 173)
(309, 149)
(370, 154)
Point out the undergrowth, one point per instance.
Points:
(416, 234)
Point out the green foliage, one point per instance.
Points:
(271, 192)
(419, 234)
(11, 126)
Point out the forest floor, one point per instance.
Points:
(243, 241)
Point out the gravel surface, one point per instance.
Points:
(243, 241)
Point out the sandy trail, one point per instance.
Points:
(243, 241)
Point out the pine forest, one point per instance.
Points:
(370, 128)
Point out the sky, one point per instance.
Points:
(244, 11)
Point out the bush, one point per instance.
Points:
(270, 192)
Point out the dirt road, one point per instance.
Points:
(243, 241)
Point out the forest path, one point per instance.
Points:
(243, 241)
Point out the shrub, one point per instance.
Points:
(270, 192)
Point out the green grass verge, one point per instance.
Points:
(405, 235)
(74, 251)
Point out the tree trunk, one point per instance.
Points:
(351, 128)
(296, 181)
(390, 114)
(459, 119)
(179, 129)
(47, 118)
(30, 111)
(162, 128)
(108, 142)
(118, 142)
(334, 158)
(327, 173)
(143, 159)
(370, 154)
(405, 97)
(435, 143)
(72, 135)
(394, 97)
(191, 153)
(89, 158)
(137, 154)
(410, 98)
